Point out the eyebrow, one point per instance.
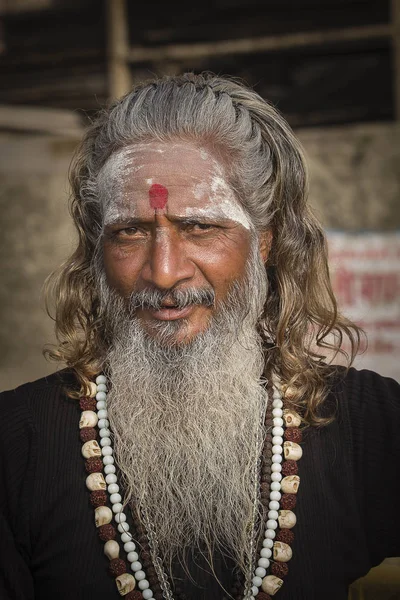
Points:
(200, 218)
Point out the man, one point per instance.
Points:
(193, 317)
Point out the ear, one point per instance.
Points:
(265, 242)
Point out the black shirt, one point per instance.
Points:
(347, 508)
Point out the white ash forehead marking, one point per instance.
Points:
(221, 202)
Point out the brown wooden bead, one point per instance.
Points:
(94, 465)
(116, 567)
(134, 595)
(288, 501)
(263, 596)
(279, 569)
(289, 467)
(285, 535)
(98, 498)
(293, 434)
(87, 433)
(107, 532)
(87, 403)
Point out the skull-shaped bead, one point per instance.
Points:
(96, 481)
(271, 584)
(88, 419)
(286, 519)
(282, 552)
(292, 451)
(103, 515)
(90, 449)
(125, 583)
(291, 418)
(290, 484)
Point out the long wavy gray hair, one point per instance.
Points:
(266, 168)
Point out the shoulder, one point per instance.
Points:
(30, 405)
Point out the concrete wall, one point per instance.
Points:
(355, 185)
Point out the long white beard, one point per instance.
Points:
(187, 424)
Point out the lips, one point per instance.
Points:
(170, 313)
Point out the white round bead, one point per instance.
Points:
(268, 543)
(105, 442)
(276, 458)
(106, 450)
(108, 459)
(101, 404)
(275, 496)
(273, 505)
(276, 468)
(270, 534)
(113, 488)
(257, 581)
(260, 572)
(263, 562)
(119, 517)
(129, 547)
(132, 556)
(116, 507)
(273, 514)
(111, 478)
(277, 449)
(123, 527)
(147, 594)
(277, 403)
(103, 423)
(102, 414)
(266, 552)
(275, 486)
(276, 440)
(271, 524)
(115, 498)
(101, 396)
(139, 575)
(277, 412)
(277, 421)
(101, 379)
(126, 537)
(101, 387)
(274, 477)
(143, 584)
(109, 470)
(104, 432)
(254, 591)
(275, 430)
(136, 566)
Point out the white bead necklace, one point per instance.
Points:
(128, 582)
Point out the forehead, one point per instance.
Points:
(194, 178)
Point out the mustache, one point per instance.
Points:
(154, 298)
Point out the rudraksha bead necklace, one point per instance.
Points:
(279, 483)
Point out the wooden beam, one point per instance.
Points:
(258, 44)
(118, 48)
(40, 120)
(395, 10)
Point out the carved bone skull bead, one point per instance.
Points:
(291, 418)
(286, 519)
(292, 451)
(91, 449)
(290, 484)
(88, 419)
(282, 552)
(103, 515)
(95, 481)
(125, 583)
(271, 584)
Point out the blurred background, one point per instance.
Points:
(333, 69)
(331, 66)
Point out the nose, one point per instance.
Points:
(167, 263)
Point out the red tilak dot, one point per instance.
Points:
(158, 196)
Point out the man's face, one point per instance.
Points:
(172, 222)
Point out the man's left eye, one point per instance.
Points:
(201, 226)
